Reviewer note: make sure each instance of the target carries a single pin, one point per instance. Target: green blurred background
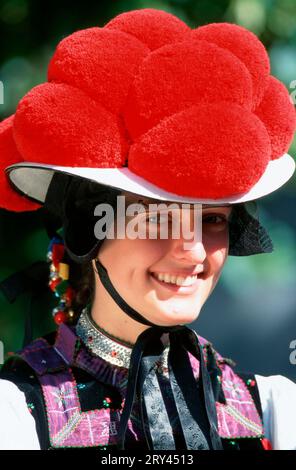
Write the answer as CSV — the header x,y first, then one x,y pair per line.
x,y
251,315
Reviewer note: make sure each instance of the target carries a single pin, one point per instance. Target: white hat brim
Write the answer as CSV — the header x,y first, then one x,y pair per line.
x,y
33,179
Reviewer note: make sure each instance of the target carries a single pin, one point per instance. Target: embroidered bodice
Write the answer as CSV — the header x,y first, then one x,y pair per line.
x,y
83,377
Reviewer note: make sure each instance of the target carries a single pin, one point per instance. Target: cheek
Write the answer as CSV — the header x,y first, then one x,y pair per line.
x,y
216,247
126,258
218,259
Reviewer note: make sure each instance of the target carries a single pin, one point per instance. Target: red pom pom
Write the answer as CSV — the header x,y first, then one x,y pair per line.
x,y
61,125
207,151
181,75
60,317
154,28
9,198
245,45
101,62
278,115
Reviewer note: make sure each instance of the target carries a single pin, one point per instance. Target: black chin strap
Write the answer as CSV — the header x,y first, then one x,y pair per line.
x,y
143,383
105,280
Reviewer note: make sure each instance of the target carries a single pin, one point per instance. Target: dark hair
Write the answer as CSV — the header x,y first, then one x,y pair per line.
x,y
82,280
69,206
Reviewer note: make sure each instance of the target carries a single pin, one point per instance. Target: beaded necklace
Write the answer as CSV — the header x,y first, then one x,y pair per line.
x,y
110,348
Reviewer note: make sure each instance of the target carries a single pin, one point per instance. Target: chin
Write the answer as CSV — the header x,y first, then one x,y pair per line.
x,y
176,316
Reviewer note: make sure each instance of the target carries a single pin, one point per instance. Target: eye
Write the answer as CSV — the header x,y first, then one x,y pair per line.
x,y
157,218
214,219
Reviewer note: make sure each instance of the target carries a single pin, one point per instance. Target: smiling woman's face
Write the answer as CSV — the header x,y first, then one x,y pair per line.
x,y
165,280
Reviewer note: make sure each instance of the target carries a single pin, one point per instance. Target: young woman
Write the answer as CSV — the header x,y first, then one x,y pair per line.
x,y
186,129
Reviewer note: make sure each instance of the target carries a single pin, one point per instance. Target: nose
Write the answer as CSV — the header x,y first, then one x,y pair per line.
x,y
189,247
193,252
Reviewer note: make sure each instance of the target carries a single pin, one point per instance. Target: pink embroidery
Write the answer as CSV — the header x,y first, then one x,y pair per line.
x,y
68,425
239,416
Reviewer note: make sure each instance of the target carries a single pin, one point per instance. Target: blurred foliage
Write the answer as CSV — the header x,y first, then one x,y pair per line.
x,y
23,241
29,33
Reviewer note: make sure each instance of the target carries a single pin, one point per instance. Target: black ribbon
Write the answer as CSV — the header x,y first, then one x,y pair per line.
x,y
142,381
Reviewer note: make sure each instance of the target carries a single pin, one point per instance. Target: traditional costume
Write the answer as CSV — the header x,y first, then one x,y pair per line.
x,y
149,106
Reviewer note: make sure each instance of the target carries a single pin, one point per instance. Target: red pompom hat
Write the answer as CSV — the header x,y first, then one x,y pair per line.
x,y
150,106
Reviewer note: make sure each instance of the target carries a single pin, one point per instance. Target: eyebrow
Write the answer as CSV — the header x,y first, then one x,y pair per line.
x,y
204,206
210,206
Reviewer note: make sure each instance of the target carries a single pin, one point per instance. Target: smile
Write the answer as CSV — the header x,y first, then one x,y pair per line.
x,y
176,280
177,283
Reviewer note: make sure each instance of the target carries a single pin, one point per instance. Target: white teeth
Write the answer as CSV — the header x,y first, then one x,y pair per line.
x,y
178,280
187,281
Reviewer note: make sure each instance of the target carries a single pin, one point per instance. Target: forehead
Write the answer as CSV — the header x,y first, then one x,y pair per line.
x,y
137,199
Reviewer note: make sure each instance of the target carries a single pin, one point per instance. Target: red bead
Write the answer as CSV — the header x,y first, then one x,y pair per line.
x,y
252,383
57,254
108,400
60,317
53,283
69,294
113,353
266,444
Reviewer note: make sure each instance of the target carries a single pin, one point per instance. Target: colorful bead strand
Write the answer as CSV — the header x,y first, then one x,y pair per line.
x,y
59,281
